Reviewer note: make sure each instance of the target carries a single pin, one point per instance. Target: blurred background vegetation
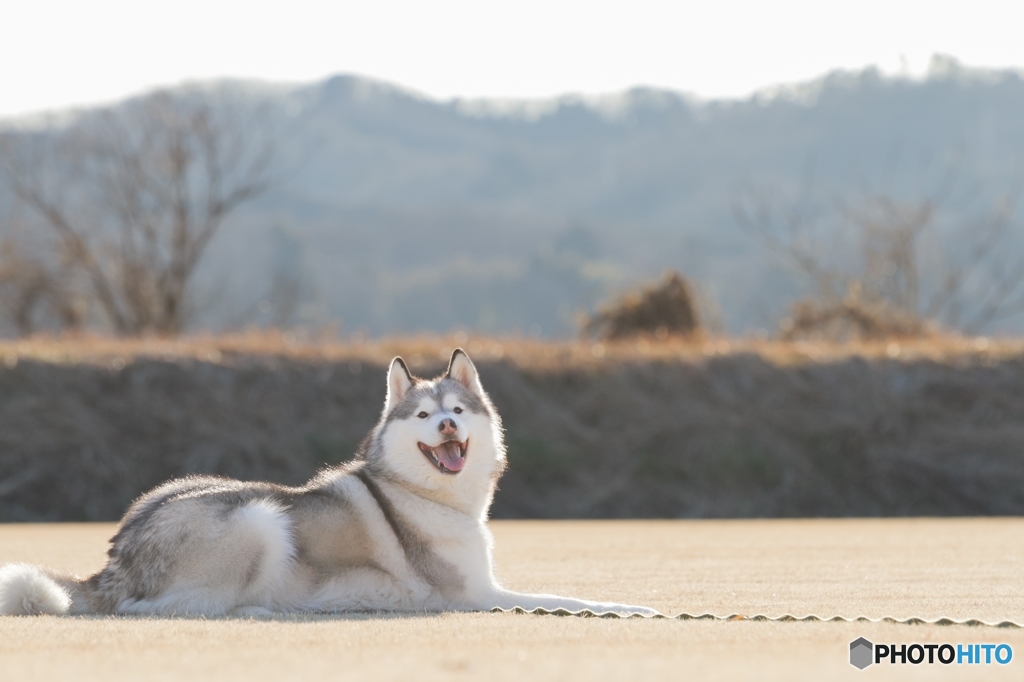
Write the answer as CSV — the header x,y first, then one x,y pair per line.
x,y
354,205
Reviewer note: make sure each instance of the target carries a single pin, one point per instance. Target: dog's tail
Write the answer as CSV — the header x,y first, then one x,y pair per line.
x,y
27,590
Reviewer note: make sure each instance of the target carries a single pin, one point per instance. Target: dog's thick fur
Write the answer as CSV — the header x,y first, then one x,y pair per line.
x,y
402,528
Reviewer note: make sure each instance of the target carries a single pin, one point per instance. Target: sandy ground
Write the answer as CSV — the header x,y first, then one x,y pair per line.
x,y
953,568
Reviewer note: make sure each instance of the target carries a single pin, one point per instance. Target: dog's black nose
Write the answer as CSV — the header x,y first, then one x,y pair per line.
x,y
447,426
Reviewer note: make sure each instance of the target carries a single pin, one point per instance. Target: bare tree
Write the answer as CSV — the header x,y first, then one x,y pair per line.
x,y
882,266
134,195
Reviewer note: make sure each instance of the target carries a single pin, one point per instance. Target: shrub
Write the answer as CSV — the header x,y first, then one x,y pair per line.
x,y
662,309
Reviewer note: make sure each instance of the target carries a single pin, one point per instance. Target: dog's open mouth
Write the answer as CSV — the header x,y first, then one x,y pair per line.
x,y
449,457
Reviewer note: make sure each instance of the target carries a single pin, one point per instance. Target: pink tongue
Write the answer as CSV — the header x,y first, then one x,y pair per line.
x,y
450,455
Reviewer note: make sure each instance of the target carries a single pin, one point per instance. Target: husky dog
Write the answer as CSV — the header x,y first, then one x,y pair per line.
x,y
401,528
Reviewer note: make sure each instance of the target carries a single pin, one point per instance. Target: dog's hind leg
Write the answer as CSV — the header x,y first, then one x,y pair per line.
x,y
233,556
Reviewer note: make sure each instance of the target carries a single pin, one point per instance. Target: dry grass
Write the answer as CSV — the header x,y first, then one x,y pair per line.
x,y
646,427
432,350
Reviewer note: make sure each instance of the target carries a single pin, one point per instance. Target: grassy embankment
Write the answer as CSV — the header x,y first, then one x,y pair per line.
x,y
716,428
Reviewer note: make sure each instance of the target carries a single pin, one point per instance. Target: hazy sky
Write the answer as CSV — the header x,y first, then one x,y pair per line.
x,y
59,52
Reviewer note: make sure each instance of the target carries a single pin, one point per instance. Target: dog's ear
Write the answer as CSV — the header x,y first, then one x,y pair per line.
x,y
462,369
399,383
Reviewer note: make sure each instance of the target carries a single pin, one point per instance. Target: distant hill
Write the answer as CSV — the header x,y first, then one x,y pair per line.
x,y
403,213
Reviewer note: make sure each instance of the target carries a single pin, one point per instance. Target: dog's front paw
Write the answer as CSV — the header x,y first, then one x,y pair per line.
x,y
625,610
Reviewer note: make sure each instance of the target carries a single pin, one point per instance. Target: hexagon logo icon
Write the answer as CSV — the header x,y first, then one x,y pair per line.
x,y
861,653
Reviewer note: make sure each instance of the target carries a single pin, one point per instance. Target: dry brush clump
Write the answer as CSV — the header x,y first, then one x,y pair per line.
x,y
663,309
641,428
853,317
879,266
29,284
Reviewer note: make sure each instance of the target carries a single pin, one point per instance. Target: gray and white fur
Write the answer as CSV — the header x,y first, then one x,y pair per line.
x,y
401,528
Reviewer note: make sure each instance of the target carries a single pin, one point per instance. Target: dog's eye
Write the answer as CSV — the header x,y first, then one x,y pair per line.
x,y
423,415
457,410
